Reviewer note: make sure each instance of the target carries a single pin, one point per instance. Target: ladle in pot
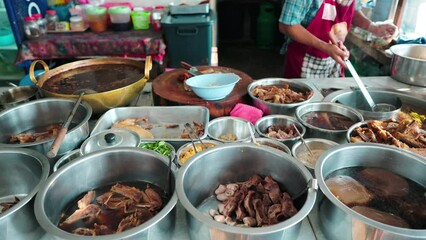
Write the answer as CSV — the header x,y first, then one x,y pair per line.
x,y
54,148
379,107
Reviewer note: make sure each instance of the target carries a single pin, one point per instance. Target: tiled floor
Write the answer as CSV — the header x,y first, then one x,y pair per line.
x,y
246,57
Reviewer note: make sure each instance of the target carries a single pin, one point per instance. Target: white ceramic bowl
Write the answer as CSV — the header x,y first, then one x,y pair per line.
x,y
213,86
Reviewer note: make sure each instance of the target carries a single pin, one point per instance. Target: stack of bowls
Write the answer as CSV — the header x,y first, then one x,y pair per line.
x,y
284,121
338,136
278,108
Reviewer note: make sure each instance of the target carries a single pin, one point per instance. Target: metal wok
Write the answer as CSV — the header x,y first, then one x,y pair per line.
x,y
102,100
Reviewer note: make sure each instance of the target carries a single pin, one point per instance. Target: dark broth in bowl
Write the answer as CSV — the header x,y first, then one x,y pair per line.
x,y
392,199
113,208
328,120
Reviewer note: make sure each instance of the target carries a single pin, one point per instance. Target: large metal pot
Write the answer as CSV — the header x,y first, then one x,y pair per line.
x,y
409,64
101,101
337,221
41,113
22,172
236,162
99,169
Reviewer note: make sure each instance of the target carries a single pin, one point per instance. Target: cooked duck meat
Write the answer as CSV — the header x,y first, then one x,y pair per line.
x,y
404,134
120,207
128,222
256,202
382,217
284,94
130,192
287,206
384,183
48,132
86,200
7,205
90,211
348,190
198,128
273,189
281,132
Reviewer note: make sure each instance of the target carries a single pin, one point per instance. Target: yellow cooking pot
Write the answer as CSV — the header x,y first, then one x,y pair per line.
x,y
100,101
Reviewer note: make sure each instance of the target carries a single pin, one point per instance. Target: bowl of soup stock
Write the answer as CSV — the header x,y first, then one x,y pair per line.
x,y
327,120
371,190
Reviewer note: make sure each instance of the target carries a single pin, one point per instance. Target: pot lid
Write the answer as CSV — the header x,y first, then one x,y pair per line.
x,y
96,10
115,137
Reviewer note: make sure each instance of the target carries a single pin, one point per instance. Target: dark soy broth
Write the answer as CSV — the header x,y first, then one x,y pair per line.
x,y
328,120
101,78
410,207
110,218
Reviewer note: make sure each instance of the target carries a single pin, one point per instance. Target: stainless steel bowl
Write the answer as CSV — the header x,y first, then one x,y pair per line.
x,y
264,123
40,113
100,169
222,126
355,99
22,173
338,136
74,154
276,108
337,221
409,64
236,162
313,144
184,148
18,95
273,144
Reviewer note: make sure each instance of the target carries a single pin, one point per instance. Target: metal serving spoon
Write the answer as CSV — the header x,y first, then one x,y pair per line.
x,y
379,107
192,131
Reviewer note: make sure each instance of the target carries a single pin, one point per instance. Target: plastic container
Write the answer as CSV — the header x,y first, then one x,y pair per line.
x,y
77,23
31,28
193,30
141,19
266,26
157,15
42,23
120,18
97,18
51,19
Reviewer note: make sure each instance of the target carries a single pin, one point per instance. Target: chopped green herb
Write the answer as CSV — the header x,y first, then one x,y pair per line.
x,y
160,147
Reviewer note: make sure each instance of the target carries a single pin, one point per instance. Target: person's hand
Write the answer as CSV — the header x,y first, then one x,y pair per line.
x,y
338,52
383,29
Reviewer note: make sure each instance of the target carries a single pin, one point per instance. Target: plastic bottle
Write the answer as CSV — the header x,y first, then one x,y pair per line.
x,y
157,14
51,19
42,23
266,26
31,28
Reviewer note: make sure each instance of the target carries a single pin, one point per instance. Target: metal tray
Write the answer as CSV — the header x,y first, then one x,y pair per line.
x,y
159,118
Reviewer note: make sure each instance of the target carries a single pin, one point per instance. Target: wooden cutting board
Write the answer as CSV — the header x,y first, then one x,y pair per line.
x,y
168,90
